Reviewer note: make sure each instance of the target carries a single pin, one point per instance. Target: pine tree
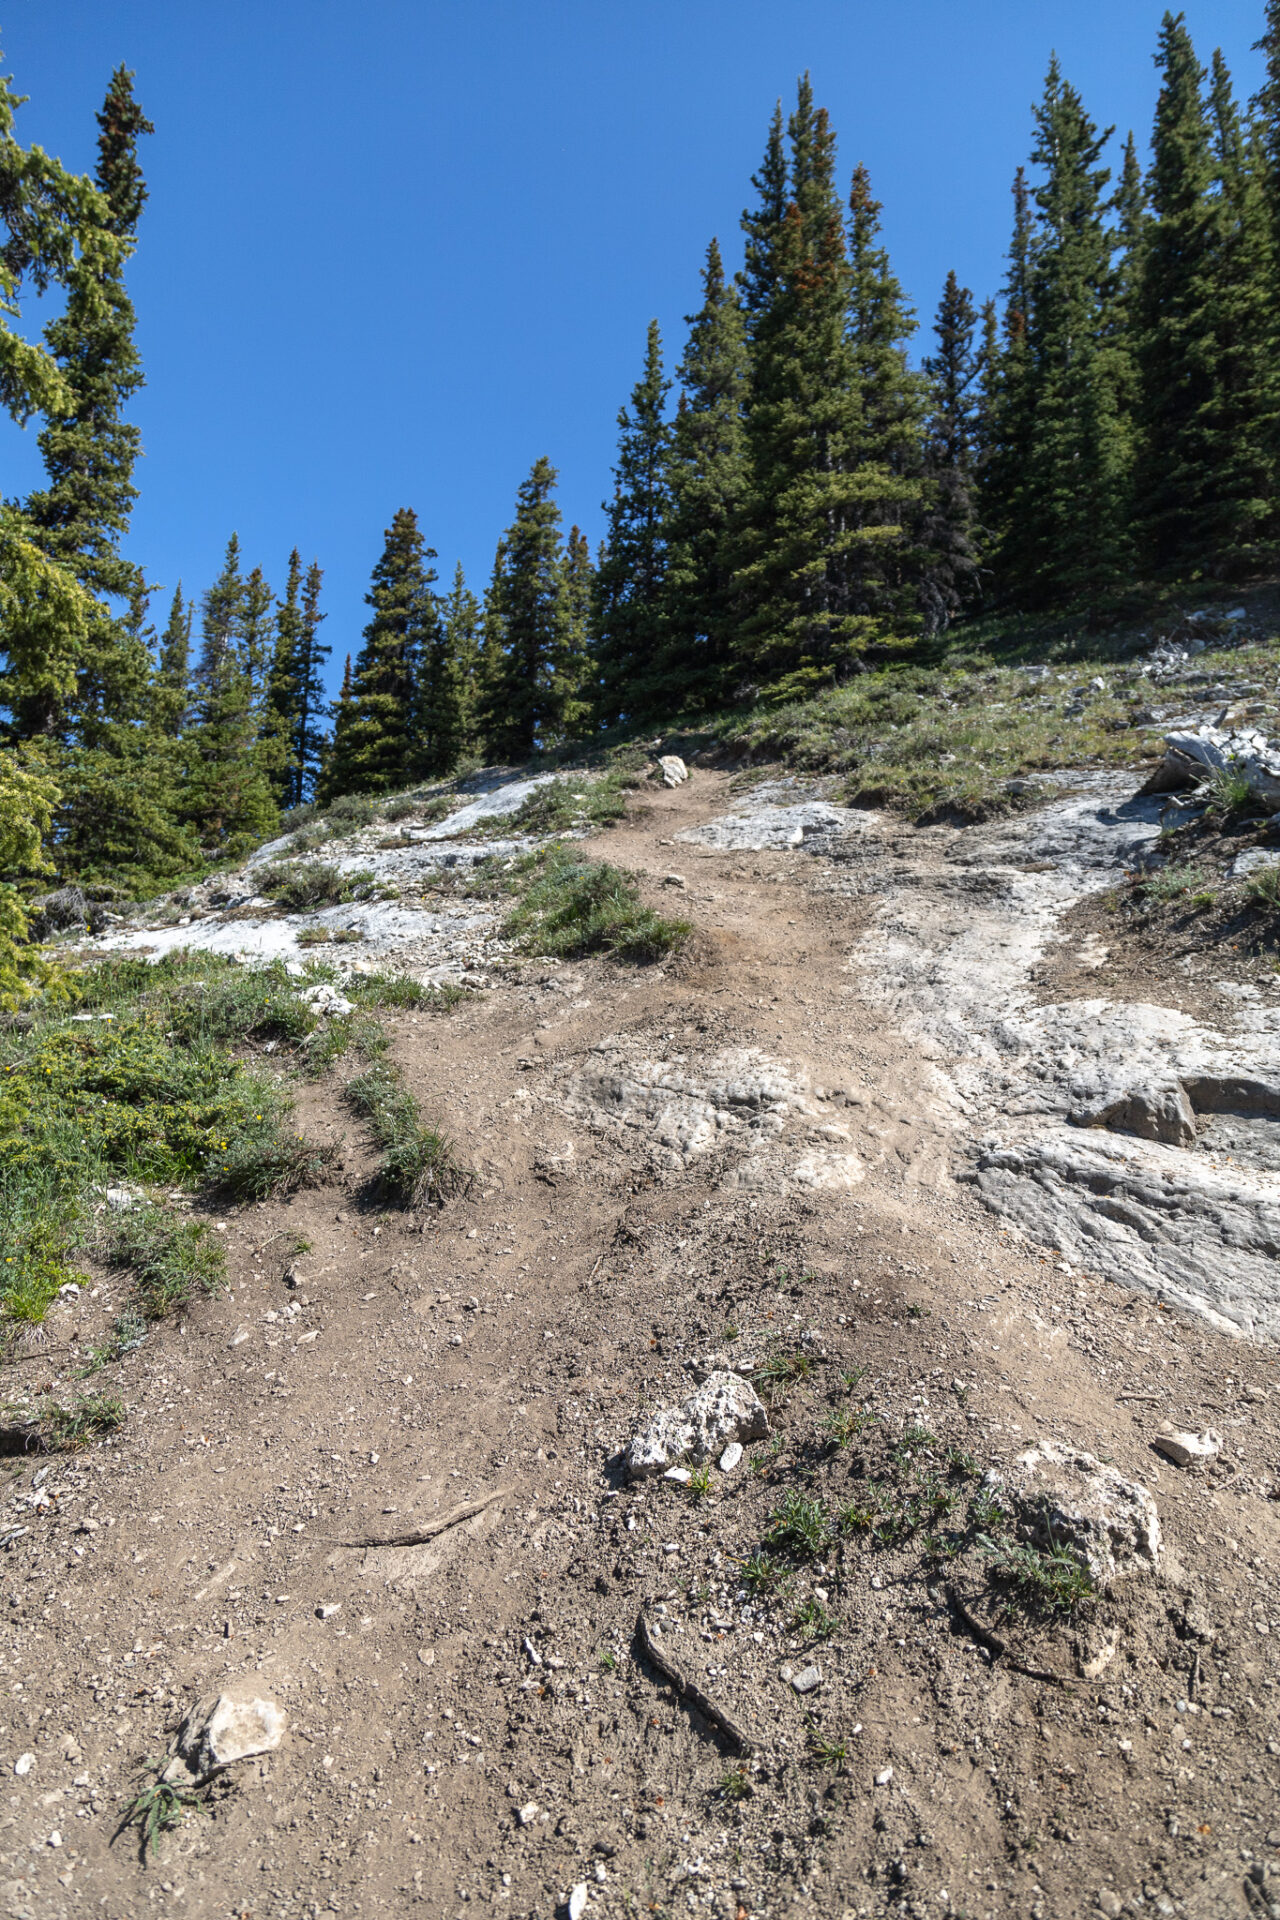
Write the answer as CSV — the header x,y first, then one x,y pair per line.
x,y
949,529
310,707
574,679
280,711
257,629
169,681
375,751
527,641
89,449
708,480
1079,455
460,611
1176,493
762,224
227,795
631,579
331,779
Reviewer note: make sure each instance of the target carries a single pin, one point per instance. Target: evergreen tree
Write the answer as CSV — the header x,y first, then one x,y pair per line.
x,y
575,677
308,739
168,710
1245,415
461,613
949,530
762,224
708,481
257,629
374,749
1008,406
631,579
795,529
280,715
1176,496
227,795
528,643
89,449
1079,455
438,719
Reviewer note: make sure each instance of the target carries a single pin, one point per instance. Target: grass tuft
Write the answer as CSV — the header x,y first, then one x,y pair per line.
x,y
576,907
171,1260
418,1164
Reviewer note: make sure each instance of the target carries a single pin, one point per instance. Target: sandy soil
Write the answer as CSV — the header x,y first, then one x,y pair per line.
x,y
476,1725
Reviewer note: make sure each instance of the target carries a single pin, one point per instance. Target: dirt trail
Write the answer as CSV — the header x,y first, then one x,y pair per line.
x,y
751,1149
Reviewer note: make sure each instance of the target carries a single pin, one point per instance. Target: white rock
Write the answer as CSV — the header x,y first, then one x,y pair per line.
x,y
327,1610
673,770
526,1815
1188,1449
576,1904
731,1456
119,1199
325,999
1067,1498
681,1475
222,1728
884,1777
725,1407
23,1764
807,1680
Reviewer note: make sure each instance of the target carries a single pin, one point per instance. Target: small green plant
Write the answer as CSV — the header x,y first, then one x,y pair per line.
x,y
58,1429
736,1785
801,1524
570,803
700,1482
963,1464
303,886
608,1660
1051,1579
846,1424
988,1512
761,1573
780,1372
1229,792
813,1620
827,1753
852,1378
1263,890
156,1809
730,1333
765,1458
403,992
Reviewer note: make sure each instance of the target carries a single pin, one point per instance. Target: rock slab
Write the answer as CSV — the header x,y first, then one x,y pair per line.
x,y
222,1728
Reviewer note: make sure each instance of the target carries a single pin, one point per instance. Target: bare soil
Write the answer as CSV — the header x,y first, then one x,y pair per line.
x,y
954,1758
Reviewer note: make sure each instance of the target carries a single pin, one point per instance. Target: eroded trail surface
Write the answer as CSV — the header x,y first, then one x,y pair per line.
x,y
851,1147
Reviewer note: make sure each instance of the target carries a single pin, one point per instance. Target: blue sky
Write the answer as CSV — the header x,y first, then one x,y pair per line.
x,y
395,252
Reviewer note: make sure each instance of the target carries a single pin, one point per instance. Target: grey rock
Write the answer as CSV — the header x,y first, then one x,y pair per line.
x,y
725,1407
221,1729
1188,1449
1253,860
65,911
1152,1112
807,1680
1064,1497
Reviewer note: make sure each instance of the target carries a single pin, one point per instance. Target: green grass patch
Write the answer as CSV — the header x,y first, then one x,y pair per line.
x,y
304,886
53,1428
1046,1579
574,907
138,1087
802,1524
418,1165
1262,890
571,803
171,1260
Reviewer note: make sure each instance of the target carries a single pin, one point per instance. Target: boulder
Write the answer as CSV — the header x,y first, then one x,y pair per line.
x,y
672,769
725,1408
221,1729
1063,1497
1153,1112
1198,754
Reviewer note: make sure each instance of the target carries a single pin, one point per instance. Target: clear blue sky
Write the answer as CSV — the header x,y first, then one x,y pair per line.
x,y
396,251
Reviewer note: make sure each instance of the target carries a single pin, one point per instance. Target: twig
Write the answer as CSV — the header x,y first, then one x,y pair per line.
x,y
465,1511
1139,1396
1195,1677
999,1649
654,1651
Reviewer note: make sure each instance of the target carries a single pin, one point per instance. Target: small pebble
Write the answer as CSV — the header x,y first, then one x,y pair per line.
x,y
731,1456
681,1475
328,1609
23,1764
526,1815
883,1778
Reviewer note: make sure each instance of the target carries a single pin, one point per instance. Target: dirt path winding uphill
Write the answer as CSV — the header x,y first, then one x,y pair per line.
x,y
840,1147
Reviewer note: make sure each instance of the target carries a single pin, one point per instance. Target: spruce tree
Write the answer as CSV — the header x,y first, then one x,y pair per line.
x,y
461,614
630,583
708,480
438,715
1076,486
279,718
227,796
527,640
1245,414
1176,492
1008,408
89,448
762,224
575,676
169,681
375,751
949,531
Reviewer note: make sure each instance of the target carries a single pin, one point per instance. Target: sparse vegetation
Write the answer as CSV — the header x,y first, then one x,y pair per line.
x,y
156,1809
573,907
304,886
418,1164
171,1260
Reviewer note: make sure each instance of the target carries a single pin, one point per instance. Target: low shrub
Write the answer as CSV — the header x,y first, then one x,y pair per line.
x,y
576,907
